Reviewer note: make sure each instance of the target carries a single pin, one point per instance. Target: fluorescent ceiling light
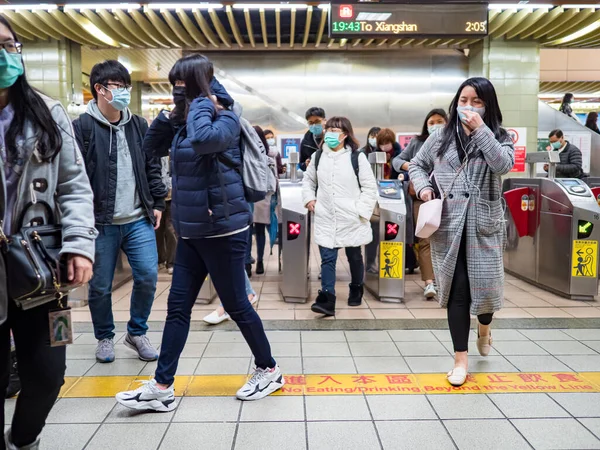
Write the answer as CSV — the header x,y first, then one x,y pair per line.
x,y
110,6
578,34
98,33
184,6
270,6
39,6
520,6
324,6
373,16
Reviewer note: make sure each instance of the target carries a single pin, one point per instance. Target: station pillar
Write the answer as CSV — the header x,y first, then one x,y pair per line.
x,y
54,67
136,98
514,69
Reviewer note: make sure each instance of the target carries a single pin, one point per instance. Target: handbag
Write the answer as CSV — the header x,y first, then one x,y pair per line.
x,y
430,213
36,273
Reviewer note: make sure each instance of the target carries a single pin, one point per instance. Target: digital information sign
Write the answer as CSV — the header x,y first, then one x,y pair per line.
x,y
389,20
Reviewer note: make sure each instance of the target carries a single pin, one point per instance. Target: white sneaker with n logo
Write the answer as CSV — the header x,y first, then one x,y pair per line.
x,y
262,383
148,397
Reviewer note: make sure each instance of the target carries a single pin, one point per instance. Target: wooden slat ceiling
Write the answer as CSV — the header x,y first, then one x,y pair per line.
x,y
578,88
301,27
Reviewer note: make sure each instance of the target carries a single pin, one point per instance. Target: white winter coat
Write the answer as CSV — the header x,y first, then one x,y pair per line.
x,y
343,209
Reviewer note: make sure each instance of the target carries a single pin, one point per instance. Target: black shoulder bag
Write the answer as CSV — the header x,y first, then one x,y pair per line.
x,y
36,274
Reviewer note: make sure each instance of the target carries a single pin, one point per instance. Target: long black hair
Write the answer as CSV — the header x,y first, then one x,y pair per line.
x,y
195,71
261,135
592,121
30,107
344,124
566,101
492,117
425,130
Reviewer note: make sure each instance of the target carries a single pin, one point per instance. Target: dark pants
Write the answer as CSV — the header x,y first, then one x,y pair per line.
x,y
261,240
41,369
223,259
328,263
459,303
248,259
166,240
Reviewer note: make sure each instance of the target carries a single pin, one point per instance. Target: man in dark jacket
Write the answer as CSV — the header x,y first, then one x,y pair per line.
x,y
314,136
128,203
571,161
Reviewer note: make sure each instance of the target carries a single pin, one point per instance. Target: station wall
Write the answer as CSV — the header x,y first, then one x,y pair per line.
x,y
393,89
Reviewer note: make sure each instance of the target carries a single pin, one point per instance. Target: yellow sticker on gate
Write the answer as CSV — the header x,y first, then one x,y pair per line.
x,y
391,258
585,259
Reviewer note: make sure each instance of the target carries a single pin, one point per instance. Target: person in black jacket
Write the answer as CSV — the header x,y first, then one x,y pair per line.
x,y
313,138
591,122
571,161
386,142
128,203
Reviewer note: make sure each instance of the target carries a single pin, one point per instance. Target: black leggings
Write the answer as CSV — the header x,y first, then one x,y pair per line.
x,y
41,370
459,303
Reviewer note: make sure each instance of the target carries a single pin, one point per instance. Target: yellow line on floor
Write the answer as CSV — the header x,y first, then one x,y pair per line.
x,y
336,384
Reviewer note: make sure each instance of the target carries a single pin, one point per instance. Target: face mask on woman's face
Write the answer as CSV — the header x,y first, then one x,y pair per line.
x,y
373,142
463,117
271,142
332,139
11,68
437,126
178,94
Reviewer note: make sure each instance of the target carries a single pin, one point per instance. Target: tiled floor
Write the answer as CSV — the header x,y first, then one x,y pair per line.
x,y
463,421
521,300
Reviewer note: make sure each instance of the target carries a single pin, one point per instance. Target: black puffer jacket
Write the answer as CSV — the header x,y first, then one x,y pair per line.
x,y
101,166
310,144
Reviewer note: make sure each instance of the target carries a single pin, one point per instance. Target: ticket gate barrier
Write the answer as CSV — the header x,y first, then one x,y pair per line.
x,y
594,184
384,256
553,229
296,236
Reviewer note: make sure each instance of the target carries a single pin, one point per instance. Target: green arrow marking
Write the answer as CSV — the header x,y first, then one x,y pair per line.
x,y
583,228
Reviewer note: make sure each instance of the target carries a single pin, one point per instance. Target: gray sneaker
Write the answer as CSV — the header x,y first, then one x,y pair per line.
x,y
143,347
105,352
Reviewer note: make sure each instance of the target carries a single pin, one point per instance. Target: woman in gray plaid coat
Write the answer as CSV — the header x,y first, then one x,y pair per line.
x,y
467,159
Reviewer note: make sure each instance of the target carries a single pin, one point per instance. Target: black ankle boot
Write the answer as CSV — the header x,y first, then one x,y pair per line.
x,y
260,268
249,270
356,294
325,304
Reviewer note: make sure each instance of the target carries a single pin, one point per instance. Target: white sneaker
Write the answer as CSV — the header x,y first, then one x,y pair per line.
x,y
148,397
430,291
262,383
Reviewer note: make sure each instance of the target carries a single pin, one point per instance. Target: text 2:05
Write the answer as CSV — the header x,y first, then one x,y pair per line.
x,y
476,27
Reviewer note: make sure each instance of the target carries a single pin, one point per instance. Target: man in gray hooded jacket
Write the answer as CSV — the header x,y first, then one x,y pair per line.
x,y
128,203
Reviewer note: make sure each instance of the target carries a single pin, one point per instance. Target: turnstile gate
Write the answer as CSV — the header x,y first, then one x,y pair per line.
x,y
296,235
553,229
384,256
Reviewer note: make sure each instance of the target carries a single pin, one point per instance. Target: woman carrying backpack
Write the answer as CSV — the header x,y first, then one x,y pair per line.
x,y
341,191
211,217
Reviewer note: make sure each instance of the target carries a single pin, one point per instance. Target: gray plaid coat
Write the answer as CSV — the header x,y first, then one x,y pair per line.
x,y
473,204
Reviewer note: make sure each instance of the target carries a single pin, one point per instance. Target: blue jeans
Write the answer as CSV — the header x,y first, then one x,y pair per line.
x,y
328,262
223,259
138,242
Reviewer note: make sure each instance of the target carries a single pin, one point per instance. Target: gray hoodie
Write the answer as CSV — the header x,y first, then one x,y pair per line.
x,y
128,207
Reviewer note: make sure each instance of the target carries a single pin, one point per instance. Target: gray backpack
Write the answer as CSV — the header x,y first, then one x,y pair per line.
x,y
255,164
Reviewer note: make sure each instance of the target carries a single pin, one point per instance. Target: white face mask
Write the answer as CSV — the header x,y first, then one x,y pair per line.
x,y
373,142
271,142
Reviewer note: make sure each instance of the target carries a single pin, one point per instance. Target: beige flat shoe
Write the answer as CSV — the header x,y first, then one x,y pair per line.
x,y
457,376
484,344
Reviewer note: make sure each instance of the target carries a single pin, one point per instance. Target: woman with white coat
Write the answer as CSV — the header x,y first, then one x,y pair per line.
x,y
339,187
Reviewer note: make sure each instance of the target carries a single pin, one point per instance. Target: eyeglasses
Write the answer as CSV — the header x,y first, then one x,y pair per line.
x,y
12,47
128,87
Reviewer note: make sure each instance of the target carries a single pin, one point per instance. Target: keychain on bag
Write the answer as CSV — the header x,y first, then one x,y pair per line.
x,y
61,326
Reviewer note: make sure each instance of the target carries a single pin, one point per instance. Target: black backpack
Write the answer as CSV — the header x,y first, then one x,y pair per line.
x,y
353,157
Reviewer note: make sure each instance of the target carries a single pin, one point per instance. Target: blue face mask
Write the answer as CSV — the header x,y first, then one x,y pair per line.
x,y
373,142
121,98
11,68
556,145
437,126
332,139
463,117
316,129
